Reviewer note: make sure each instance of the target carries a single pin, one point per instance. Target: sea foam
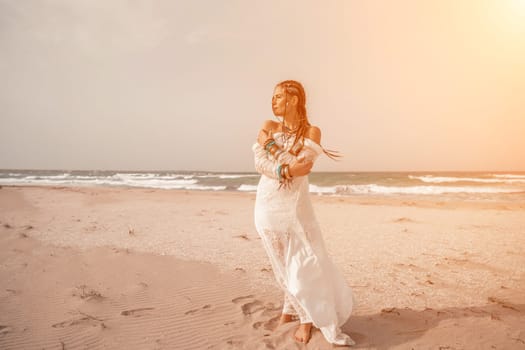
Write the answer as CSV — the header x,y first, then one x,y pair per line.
x,y
446,179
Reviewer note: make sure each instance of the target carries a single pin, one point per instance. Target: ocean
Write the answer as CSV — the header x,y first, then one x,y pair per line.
x,y
473,185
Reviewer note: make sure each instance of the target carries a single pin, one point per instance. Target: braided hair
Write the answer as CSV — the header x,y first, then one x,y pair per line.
x,y
295,88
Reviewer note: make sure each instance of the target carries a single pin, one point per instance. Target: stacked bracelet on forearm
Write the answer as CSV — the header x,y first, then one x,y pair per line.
x,y
283,173
272,148
269,144
283,170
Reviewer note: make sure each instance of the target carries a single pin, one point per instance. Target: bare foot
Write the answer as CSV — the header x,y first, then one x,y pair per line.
x,y
285,318
303,333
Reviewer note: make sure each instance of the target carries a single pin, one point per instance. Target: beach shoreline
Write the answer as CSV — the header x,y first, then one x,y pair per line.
x,y
426,271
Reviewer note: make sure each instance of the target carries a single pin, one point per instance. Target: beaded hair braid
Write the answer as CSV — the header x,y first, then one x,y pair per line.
x,y
294,88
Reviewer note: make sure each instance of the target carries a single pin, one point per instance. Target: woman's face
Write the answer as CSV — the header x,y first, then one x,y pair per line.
x,y
278,101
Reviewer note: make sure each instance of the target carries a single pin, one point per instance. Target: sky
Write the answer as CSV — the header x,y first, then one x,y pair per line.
x,y
403,85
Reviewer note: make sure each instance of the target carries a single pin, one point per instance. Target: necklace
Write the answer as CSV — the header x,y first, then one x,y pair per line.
x,y
288,132
290,129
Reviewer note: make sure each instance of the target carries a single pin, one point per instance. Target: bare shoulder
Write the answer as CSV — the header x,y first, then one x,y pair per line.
x,y
270,125
313,133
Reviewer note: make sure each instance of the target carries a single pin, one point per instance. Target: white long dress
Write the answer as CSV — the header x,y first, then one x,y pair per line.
x,y
314,288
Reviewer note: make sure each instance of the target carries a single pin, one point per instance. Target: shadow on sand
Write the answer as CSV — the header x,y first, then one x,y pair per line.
x,y
395,326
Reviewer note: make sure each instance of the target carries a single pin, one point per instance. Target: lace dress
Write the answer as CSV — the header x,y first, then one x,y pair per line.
x,y
314,288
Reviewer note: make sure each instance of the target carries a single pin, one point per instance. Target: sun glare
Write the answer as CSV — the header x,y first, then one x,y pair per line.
x,y
511,15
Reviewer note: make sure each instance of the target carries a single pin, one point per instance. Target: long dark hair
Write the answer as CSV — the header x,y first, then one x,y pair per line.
x,y
295,88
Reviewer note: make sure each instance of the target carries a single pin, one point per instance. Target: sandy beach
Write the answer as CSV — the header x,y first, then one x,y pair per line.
x,y
123,268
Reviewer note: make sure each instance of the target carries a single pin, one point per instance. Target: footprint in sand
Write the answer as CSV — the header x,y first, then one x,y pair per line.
x,y
234,342
239,299
136,312
81,320
4,329
270,309
191,312
243,236
411,266
272,323
252,307
403,220
269,344
61,324
84,292
391,310
249,307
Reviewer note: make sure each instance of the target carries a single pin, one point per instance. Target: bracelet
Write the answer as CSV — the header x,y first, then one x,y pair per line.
x,y
268,144
285,180
273,148
287,172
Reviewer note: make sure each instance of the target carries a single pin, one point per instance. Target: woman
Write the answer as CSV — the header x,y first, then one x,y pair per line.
x,y
314,289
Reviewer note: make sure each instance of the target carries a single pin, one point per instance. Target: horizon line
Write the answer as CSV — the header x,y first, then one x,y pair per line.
x,y
252,172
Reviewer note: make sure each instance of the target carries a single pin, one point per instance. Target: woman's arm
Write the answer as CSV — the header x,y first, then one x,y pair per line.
x,y
270,168
273,151
263,165
268,163
311,151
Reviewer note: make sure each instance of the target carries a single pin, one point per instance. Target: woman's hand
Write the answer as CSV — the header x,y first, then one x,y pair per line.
x,y
300,167
263,137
